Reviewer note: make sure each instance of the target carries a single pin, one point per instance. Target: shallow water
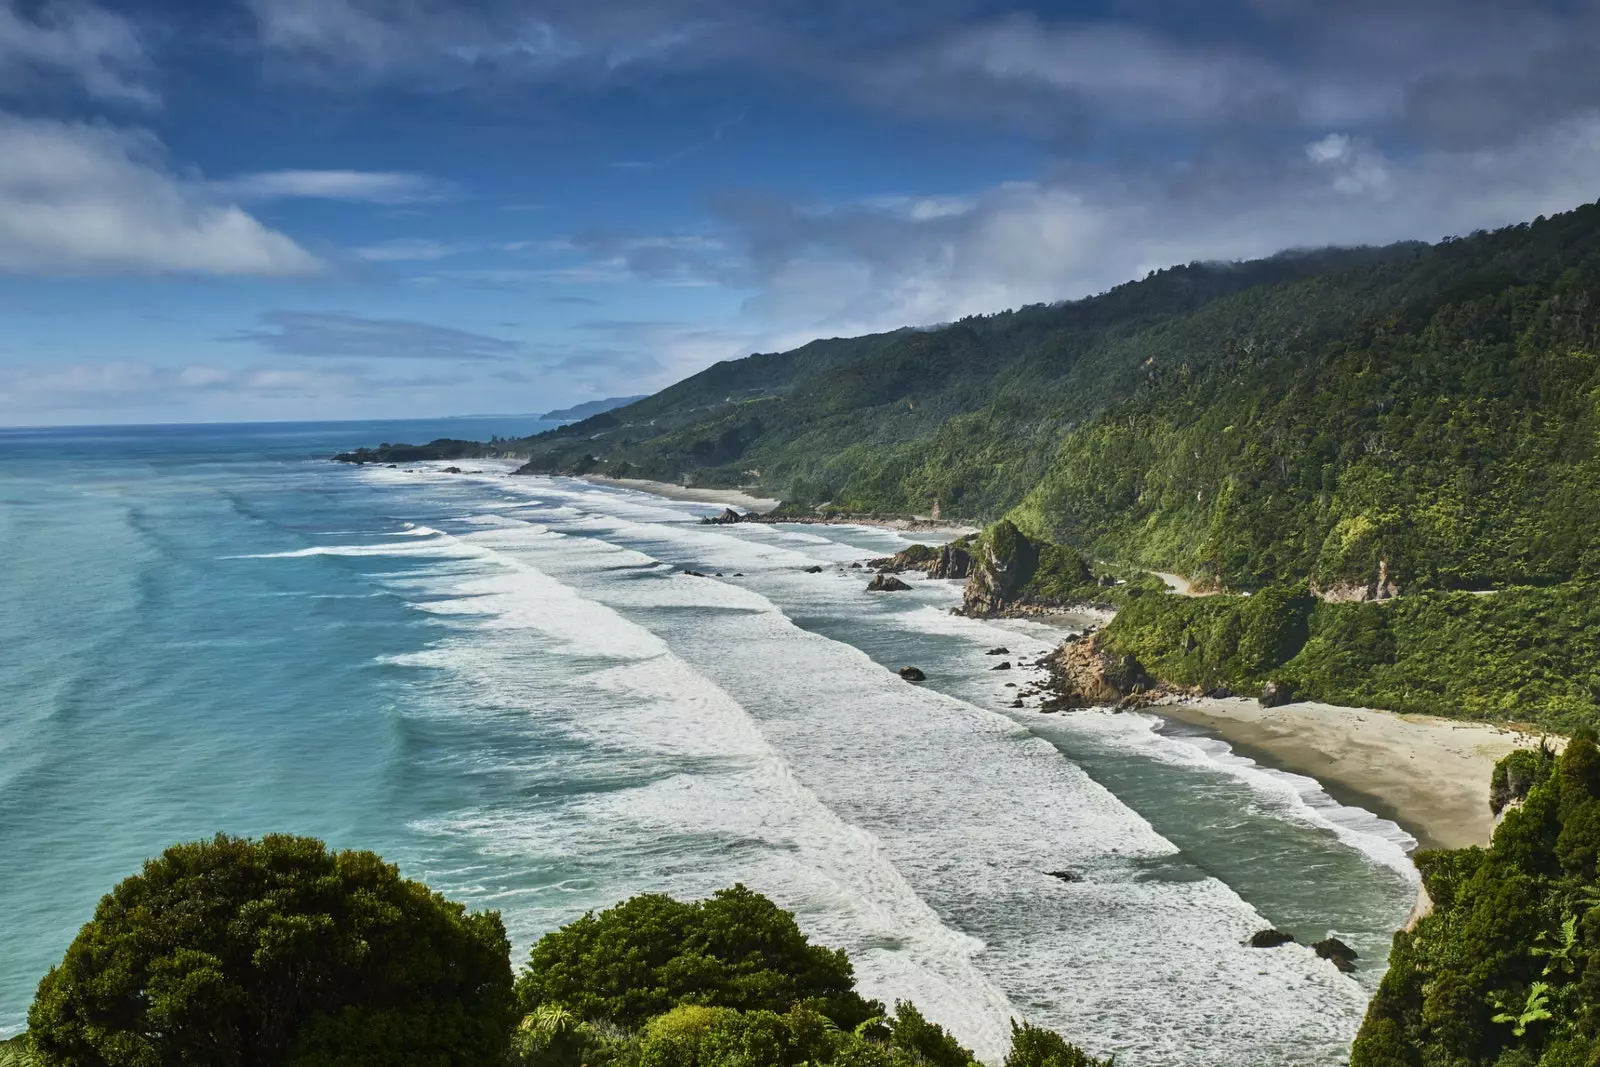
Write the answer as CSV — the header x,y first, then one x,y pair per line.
x,y
505,685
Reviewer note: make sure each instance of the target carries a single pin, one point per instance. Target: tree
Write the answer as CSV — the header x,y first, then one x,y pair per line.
x,y
277,951
1034,1047
651,953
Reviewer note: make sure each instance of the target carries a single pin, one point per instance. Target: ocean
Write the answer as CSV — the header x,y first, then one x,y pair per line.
x,y
507,686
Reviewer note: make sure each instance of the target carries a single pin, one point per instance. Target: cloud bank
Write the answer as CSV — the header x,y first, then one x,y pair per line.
x,y
88,198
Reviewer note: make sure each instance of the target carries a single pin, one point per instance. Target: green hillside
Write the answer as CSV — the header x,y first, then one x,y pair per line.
x,y
1407,425
1306,417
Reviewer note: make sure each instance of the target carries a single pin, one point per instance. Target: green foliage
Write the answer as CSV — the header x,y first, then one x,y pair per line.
x,y
1234,640
909,1031
1506,970
1033,1047
1517,773
275,952
1529,655
278,952
650,954
15,1052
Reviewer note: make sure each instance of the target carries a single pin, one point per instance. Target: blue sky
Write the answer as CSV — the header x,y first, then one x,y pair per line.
x,y
262,209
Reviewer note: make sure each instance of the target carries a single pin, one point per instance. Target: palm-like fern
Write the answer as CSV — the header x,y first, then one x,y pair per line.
x,y
1533,1010
1562,958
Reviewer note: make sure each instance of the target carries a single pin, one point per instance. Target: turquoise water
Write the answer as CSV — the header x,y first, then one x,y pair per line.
x,y
506,686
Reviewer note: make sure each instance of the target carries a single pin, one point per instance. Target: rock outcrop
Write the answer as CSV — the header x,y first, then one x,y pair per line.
x,y
1004,563
912,674
953,562
1340,954
1083,675
1276,694
1380,587
1269,939
727,518
886,583
950,561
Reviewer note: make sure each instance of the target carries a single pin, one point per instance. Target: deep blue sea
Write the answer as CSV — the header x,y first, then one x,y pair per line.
x,y
507,686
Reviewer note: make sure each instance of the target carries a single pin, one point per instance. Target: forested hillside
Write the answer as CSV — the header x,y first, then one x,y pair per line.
x,y
1310,417
1506,970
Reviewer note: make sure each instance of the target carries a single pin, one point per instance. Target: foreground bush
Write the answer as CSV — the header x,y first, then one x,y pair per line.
x,y
276,952
652,953
725,982
236,953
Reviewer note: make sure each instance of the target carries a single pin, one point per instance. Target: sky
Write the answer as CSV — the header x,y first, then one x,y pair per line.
x,y
217,210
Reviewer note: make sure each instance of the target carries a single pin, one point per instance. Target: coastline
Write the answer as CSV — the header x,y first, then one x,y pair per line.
x,y
729,497
1429,775
761,505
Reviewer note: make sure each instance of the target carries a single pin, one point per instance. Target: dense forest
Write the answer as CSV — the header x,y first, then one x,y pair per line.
x,y
278,952
1505,972
1429,408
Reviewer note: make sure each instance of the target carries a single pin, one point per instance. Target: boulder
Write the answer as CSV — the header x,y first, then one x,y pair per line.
x,y
1001,651
915,558
1002,666
1065,876
1269,939
1340,954
694,574
813,570
912,674
452,470
886,583
953,562
855,566
1082,675
1276,694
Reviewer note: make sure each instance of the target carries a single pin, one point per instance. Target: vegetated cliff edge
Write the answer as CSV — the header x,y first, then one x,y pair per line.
x,y
1386,428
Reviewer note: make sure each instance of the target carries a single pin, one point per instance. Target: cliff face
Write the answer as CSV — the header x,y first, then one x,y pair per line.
x,y
1004,563
1012,574
1085,675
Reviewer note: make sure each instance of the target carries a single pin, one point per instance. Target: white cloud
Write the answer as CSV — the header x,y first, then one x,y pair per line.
x,y
142,392
358,186
409,250
97,48
857,267
342,335
79,198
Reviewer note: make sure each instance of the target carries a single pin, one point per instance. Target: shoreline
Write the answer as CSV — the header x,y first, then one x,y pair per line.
x,y
761,505
1428,775
728,497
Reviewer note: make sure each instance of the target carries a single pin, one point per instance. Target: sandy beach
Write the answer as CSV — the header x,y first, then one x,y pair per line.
x,y
739,499
1429,775
729,497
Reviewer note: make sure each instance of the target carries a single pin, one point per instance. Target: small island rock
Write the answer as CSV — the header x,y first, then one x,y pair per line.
x,y
886,583
1337,952
1269,939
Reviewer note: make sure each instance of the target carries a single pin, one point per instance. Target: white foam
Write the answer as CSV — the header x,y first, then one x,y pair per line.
x,y
653,707
971,809
705,738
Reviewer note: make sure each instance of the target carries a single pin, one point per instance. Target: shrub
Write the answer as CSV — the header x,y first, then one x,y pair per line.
x,y
650,954
276,952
